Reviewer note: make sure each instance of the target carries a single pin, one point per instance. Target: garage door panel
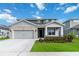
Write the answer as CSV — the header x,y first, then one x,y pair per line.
x,y
23,34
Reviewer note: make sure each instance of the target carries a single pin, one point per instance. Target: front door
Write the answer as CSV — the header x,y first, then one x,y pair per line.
x,y
41,32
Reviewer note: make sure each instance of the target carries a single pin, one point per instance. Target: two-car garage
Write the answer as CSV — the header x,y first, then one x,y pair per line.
x,y
23,34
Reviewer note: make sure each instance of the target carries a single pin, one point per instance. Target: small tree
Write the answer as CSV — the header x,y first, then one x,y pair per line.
x,y
72,34
69,37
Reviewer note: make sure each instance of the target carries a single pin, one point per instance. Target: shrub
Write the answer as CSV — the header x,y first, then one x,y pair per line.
x,y
66,38
41,40
4,38
72,34
69,37
54,39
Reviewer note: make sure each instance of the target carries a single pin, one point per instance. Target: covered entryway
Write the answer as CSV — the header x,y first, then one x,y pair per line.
x,y
41,32
23,34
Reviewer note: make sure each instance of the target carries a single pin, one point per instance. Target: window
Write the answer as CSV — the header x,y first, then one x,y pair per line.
x,y
51,31
0,32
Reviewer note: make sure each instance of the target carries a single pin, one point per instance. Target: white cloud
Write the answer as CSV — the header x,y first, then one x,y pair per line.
x,y
58,8
7,10
62,4
78,5
9,18
40,6
71,9
32,5
37,17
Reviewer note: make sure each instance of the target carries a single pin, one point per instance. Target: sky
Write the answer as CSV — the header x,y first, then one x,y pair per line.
x,y
10,12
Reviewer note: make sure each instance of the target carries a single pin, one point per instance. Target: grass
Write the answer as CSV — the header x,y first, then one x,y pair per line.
x,y
56,47
4,38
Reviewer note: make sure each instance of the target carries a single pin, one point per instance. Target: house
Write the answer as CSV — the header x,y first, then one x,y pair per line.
x,y
71,26
35,28
4,31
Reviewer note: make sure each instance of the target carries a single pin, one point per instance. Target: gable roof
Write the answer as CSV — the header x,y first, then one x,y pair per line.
x,y
42,21
76,26
35,23
4,27
70,20
37,19
23,21
54,22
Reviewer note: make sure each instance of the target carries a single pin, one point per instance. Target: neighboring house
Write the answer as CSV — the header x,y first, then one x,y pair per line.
x,y
71,26
4,31
33,29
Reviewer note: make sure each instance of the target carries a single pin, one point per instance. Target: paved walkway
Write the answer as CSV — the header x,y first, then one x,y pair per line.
x,y
49,54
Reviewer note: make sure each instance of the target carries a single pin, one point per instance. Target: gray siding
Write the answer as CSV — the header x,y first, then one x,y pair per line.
x,y
70,24
73,23
67,25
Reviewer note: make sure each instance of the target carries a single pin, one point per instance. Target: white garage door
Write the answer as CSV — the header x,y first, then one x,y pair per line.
x,y
23,34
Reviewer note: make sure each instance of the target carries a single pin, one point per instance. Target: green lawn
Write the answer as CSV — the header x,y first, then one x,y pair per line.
x,y
4,38
56,47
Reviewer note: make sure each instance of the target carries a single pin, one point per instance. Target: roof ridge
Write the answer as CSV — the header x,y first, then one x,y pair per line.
x,y
36,19
70,20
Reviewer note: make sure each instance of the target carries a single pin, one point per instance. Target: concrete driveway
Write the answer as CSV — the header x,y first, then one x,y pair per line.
x,y
14,47
22,47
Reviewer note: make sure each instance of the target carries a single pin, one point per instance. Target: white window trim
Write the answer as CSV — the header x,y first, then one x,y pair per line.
x,y
51,32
